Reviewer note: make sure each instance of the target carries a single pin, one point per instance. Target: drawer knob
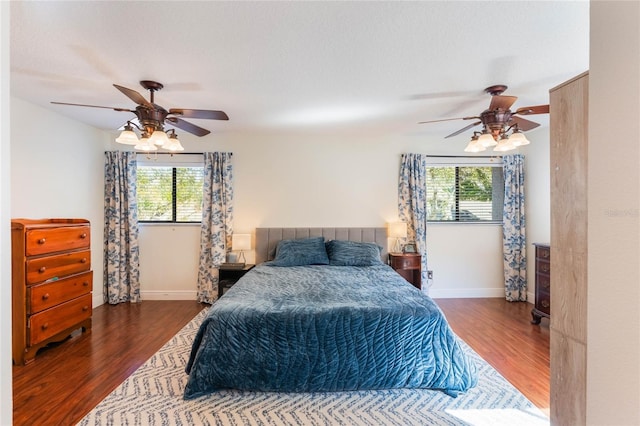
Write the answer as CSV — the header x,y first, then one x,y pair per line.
x,y
42,240
84,235
45,326
84,260
85,308
42,269
45,296
545,303
86,284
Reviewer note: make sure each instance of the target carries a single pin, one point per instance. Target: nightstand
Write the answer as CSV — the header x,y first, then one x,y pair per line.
x,y
228,276
408,265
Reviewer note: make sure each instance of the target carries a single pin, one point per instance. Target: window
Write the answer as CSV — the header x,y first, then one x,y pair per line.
x,y
170,194
469,193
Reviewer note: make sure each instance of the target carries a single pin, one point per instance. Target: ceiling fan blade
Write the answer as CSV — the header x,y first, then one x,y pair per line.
x,y
502,102
523,124
187,127
93,106
538,109
134,96
464,129
447,119
199,113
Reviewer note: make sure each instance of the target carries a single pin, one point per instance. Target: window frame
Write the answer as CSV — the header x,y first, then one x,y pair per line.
x,y
184,161
457,162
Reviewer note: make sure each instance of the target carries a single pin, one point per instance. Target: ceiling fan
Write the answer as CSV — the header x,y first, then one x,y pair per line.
x,y
497,121
151,118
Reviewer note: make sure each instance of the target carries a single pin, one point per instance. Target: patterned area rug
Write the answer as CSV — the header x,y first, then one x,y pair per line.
x,y
152,395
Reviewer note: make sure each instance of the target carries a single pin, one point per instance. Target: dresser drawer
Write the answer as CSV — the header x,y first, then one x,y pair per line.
x,y
543,302
405,262
543,281
44,296
61,265
543,252
55,320
43,241
543,267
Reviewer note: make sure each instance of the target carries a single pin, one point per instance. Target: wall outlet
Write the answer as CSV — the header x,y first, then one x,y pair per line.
x,y
429,275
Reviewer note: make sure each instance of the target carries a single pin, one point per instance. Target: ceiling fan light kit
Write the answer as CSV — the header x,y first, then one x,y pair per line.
x,y
497,121
152,118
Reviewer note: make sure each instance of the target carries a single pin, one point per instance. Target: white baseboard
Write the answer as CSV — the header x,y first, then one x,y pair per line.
x,y
168,295
460,293
463,293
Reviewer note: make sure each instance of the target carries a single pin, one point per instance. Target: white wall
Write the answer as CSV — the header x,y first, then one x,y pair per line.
x,y
57,169
6,400
537,202
319,179
613,323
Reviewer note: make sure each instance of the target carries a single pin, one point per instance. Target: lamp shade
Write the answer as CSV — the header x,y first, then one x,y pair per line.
x,y
518,139
486,139
397,230
475,146
241,241
159,138
128,137
504,145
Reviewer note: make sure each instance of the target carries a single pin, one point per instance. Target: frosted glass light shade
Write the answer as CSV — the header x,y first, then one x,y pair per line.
x,y
475,146
504,145
159,138
173,144
518,139
145,145
241,241
127,137
486,140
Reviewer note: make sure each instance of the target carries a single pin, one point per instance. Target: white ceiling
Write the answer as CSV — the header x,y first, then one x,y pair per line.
x,y
359,67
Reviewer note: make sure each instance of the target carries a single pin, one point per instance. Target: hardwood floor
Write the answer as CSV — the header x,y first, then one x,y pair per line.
x,y
501,332
66,381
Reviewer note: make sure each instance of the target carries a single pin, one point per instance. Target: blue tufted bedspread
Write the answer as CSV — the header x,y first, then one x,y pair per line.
x,y
326,328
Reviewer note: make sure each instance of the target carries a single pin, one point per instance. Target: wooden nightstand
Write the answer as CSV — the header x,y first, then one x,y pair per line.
x,y
229,276
408,265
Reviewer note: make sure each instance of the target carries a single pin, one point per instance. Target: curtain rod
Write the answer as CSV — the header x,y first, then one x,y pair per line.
x,y
162,153
464,156
168,153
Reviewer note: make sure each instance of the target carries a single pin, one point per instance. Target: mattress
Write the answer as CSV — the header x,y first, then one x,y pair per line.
x,y
326,328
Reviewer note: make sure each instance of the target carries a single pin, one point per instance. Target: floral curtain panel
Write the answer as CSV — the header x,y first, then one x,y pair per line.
x,y
121,251
412,203
217,219
514,247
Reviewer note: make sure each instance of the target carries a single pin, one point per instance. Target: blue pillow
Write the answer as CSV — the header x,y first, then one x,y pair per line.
x,y
352,253
307,251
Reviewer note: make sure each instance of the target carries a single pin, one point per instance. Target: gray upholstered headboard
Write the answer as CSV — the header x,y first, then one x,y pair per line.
x,y
267,238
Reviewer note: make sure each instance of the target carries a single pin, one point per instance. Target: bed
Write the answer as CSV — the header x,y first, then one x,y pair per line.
x,y
301,321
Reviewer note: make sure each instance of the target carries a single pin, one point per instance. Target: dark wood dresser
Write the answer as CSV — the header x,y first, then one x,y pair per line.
x,y
542,306
51,281
408,265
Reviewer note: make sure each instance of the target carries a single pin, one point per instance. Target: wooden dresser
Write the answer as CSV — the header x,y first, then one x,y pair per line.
x,y
408,265
542,306
51,282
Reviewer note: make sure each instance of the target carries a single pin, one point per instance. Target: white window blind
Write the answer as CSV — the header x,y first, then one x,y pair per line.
x,y
465,192
169,194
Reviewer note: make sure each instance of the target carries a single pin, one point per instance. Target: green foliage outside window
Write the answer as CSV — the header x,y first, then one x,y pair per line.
x,y
170,194
464,193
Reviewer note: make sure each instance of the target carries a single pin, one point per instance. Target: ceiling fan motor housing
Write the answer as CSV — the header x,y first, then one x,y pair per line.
x,y
151,119
495,121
